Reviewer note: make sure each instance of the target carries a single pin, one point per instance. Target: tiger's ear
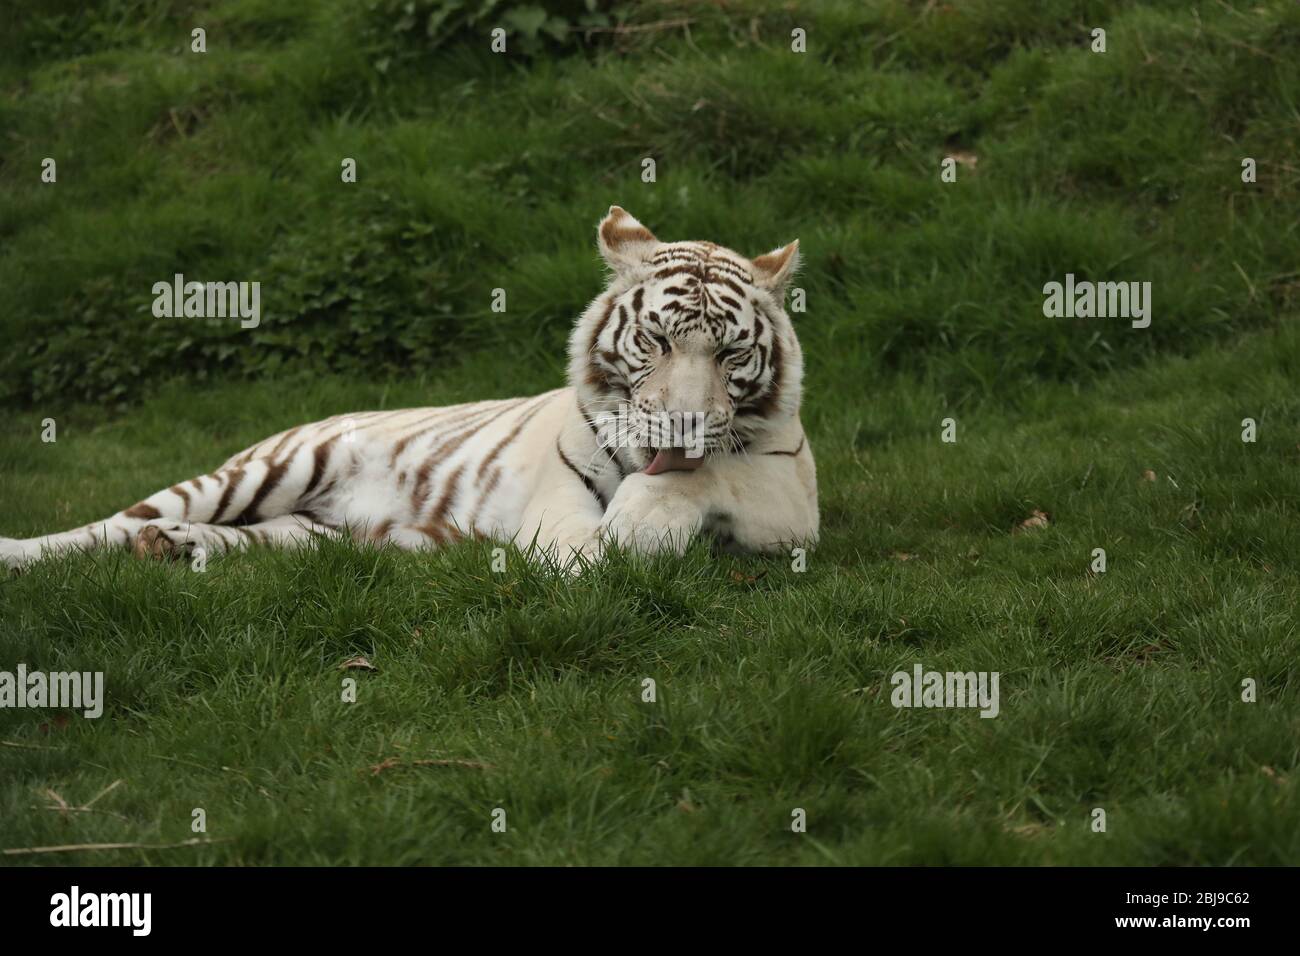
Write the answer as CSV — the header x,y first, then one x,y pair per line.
x,y
624,242
774,270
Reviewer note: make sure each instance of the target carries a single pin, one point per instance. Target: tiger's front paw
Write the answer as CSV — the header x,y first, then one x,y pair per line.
x,y
162,542
649,515
574,555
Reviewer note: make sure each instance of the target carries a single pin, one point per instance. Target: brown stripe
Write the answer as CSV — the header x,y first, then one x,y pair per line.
x,y
232,483
418,428
184,495
472,415
595,377
483,497
145,511
418,493
444,420
274,474
438,519
280,444
496,451
600,326
514,432
441,533
446,449
321,456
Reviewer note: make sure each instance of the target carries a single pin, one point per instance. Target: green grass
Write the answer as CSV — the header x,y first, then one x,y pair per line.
x,y
1120,690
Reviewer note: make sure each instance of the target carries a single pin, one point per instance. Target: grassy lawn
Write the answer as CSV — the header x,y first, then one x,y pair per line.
x,y
1120,690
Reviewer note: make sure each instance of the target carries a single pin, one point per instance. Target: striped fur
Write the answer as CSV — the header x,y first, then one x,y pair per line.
x,y
681,327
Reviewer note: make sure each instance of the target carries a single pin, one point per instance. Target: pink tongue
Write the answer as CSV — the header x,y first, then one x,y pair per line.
x,y
673,459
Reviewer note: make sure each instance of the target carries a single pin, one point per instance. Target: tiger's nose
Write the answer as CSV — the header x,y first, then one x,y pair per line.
x,y
672,425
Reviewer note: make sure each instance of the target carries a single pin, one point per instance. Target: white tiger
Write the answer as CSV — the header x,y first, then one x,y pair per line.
x,y
684,332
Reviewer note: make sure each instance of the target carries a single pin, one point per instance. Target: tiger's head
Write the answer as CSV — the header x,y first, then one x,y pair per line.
x,y
686,333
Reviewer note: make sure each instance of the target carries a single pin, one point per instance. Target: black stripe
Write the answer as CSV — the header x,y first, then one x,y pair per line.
x,y
591,485
791,453
622,320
